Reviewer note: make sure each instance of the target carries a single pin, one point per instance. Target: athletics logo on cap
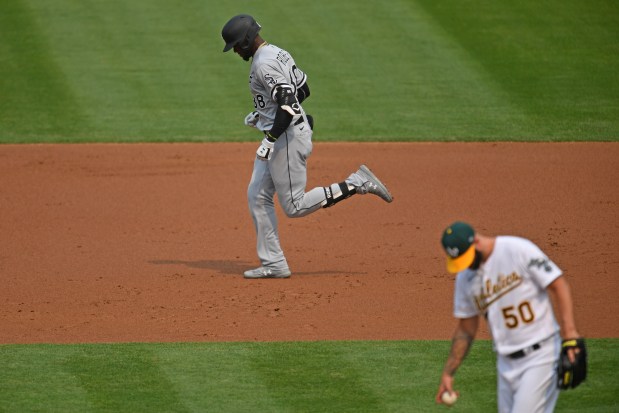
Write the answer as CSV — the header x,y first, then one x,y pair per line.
x,y
458,242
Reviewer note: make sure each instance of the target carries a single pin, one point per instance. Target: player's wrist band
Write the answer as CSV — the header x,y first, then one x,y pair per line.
x,y
269,136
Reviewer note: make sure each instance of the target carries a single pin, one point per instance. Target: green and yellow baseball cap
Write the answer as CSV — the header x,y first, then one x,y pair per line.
x,y
458,241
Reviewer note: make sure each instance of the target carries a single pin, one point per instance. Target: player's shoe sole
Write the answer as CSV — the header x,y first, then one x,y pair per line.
x,y
373,185
263,272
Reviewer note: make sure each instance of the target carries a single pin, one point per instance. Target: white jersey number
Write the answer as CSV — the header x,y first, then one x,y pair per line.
x,y
259,102
514,315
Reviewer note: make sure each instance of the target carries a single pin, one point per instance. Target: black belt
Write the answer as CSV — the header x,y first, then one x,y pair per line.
x,y
520,354
299,121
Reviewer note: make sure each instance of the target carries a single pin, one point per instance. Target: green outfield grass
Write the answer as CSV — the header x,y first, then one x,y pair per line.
x,y
374,376
153,70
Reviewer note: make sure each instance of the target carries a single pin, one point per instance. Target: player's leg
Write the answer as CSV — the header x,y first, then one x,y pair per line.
x,y
361,182
365,182
537,392
288,167
505,386
289,171
260,193
537,383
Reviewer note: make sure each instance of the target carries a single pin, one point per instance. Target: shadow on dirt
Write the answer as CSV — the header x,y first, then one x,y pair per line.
x,y
221,266
238,267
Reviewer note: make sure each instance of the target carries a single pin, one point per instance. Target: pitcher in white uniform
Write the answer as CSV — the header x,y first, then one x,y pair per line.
x,y
507,279
278,87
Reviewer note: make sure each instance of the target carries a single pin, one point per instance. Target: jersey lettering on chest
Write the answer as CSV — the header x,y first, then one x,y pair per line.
x,y
270,80
283,57
493,289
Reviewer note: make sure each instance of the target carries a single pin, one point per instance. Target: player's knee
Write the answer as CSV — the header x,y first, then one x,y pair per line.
x,y
291,210
252,198
259,201
296,208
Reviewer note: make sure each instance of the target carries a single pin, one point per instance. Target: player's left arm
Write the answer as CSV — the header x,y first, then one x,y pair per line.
x,y
303,92
547,274
572,363
561,294
288,108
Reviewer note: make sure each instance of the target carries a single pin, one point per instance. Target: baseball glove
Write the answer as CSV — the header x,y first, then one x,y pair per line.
x,y
570,375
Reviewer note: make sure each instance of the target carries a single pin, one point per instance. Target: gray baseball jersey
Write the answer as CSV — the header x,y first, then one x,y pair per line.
x,y
286,172
271,67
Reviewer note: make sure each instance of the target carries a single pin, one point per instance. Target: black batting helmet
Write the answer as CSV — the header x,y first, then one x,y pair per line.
x,y
240,31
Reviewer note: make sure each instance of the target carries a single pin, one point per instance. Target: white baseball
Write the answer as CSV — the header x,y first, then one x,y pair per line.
x,y
449,398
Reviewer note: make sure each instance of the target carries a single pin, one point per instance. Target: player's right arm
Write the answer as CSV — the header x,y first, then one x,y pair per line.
x,y
288,108
460,345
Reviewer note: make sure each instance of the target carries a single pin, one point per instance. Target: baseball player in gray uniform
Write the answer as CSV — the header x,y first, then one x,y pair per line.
x,y
507,280
278,87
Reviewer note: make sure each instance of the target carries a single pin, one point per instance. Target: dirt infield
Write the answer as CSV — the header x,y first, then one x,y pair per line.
x,y
147,242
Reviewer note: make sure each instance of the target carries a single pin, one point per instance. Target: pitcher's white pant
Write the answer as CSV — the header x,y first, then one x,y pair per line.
x,y
529,384
285,174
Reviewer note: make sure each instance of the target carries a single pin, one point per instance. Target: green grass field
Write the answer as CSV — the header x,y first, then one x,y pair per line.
x,y
394,376
153,70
